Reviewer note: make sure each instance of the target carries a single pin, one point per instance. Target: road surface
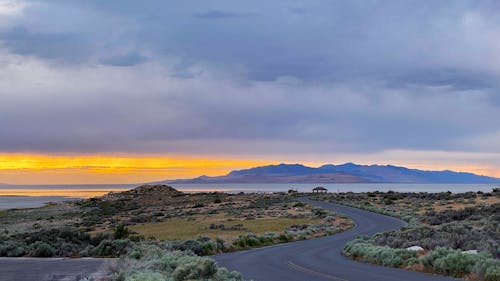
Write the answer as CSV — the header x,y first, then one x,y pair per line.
x,y
321,258
50,269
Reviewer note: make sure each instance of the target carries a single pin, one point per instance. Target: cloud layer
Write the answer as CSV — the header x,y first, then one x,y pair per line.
x,y
221,77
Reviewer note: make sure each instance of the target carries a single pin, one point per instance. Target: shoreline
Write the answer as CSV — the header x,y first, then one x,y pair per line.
x,y
78,193
8,202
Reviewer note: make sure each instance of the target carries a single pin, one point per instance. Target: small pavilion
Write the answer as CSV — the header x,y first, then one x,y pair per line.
x,y
320,189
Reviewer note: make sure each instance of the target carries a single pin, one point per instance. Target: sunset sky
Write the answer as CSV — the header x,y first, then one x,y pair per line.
x,y
134,91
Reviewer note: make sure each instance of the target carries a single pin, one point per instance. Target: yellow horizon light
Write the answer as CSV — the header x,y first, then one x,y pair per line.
x,y
25,168
107,169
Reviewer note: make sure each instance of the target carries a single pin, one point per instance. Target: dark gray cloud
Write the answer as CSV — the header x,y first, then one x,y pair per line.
x,y
47,45
333,40
333,76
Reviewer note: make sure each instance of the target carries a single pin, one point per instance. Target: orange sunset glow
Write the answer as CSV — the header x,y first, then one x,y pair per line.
x,y
121,169
98,169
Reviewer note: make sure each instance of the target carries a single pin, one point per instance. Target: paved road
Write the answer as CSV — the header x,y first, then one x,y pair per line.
x,y
49,269
321,258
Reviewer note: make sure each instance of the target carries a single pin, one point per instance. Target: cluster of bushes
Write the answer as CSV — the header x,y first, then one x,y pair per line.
x,y
458,235
361,248
18,249
227,228
293,233
12,249
392,195
105,248
470,213
442,260
474,228
458,264
389,198
154,263
65,242
99,210
250,240
203,246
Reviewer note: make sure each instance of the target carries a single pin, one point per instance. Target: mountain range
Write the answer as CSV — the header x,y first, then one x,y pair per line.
x,y
345,173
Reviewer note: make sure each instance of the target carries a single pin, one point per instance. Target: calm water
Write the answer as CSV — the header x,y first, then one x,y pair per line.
x,y
338,187
11,202
29,196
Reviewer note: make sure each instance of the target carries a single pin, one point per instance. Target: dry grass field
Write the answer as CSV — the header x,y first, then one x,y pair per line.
x,y
196,226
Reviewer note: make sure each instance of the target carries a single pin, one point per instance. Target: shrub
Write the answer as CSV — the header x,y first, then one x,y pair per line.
x,y
284,238
110,248
195,270
429,260
456,264
319,212
492,274
247,240
120,232
487,267
87,252
12,249
41,249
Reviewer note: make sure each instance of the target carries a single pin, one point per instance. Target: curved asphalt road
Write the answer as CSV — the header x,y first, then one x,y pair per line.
x,y
52,269
321,258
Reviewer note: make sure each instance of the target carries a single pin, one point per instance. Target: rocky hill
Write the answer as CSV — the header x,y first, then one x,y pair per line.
x,y
145,192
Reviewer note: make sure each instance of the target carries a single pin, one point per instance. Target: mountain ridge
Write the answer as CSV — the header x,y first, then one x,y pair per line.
x,y
343,173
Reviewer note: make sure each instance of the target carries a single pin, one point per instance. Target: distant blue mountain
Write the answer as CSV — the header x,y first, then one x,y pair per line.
x,y
395,174
349,172
281,169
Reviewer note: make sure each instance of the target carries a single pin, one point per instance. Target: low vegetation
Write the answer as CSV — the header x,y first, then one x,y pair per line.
x,y
159,262
444,261
363,249
459,233
160,233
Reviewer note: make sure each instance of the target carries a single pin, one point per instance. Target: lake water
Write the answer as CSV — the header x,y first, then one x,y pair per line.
x,y
18,202
30,196
338,187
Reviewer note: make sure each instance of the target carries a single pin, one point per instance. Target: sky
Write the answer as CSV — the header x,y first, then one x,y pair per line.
x,y
133,91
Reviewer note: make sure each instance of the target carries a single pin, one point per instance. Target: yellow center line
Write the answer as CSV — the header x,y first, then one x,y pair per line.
x,y
313,272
